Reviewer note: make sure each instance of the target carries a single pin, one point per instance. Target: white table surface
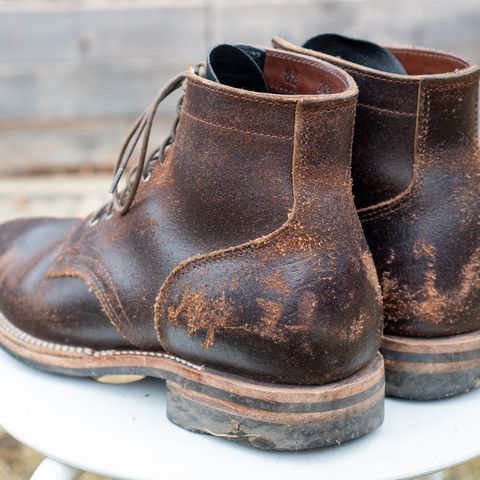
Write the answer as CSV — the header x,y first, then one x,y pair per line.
x,y
122,431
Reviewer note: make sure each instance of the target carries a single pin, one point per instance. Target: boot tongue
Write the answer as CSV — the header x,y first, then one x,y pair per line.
x,y
238,66
357,51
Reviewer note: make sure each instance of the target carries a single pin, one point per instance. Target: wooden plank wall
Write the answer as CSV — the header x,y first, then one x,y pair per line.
x,y
73,73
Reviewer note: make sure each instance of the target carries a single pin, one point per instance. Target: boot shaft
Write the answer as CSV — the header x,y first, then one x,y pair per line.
x,y
232,160
297,284
242,251
416,175
439,90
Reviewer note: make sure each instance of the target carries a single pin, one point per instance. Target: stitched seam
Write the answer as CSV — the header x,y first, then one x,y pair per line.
x,y
386,110
374,212
476,123
86,275
283,89
379,77
31,340
112,286
417,179
420,53
57,272
215,256
290,105
336,62
283,137
192,262
455,85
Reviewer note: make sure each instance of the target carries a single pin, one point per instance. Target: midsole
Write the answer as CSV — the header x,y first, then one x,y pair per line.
x,y
445,354
356,390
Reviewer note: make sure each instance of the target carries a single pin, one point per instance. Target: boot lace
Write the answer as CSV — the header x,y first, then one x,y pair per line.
x,y
142,128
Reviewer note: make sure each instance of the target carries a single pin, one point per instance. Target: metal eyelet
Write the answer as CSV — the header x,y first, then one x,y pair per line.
x,y
94,221
147,177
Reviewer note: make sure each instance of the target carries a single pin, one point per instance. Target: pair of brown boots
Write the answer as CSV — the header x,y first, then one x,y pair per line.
x,y
236,262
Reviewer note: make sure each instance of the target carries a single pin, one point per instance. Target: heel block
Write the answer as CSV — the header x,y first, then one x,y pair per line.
x,y
281,417
431,368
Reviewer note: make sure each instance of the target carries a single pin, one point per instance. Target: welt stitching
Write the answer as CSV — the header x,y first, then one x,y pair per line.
x,y
386,110
280,103
25,337
283,137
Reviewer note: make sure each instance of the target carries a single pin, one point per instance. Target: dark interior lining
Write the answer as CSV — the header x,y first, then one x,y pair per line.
x,y
238,66
357,51
259,70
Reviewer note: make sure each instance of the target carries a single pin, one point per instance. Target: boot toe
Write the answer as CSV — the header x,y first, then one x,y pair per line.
x,y
60,310
24,247
26,237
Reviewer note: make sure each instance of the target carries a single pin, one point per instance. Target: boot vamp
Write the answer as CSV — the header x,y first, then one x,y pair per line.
x,y
60,310
96,286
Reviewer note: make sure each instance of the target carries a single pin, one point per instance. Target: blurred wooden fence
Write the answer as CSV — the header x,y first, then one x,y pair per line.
x,y
74,73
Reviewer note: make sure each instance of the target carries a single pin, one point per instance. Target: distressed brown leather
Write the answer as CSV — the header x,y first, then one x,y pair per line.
x,y
242,252
416,174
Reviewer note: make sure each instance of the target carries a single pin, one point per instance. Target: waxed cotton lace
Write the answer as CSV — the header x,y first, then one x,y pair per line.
x,y
142,128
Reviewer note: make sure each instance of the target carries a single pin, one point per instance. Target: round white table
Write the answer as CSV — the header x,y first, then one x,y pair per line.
x,y
121,431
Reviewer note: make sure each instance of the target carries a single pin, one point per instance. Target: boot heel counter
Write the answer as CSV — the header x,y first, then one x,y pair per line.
x,y
274,311
426,242
300,305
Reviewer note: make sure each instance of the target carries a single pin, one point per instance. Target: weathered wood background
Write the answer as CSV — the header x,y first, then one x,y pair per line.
x,y
73,74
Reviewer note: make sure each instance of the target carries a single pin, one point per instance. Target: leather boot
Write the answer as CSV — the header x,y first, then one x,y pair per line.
x,y
232,263
416,179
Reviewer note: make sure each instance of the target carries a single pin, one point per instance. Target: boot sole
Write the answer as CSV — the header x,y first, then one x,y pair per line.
x,y
200,399
431,368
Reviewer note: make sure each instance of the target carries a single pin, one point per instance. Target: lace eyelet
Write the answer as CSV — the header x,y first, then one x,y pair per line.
x,y
94,221
141,131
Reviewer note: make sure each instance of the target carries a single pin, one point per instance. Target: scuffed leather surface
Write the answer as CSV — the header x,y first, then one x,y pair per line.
x,y
382,160
301,305
221,185
426,245
425,233
226,182
64,311
382,157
